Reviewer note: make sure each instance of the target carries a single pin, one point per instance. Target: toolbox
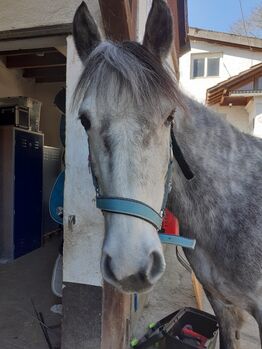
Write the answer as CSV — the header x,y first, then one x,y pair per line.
x,y
187,328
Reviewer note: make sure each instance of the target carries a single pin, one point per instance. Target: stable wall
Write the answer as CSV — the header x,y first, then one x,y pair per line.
x,y
16,14
50,115
13,84
82,240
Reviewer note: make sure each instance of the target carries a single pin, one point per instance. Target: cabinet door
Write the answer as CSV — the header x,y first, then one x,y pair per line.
x,y
28,192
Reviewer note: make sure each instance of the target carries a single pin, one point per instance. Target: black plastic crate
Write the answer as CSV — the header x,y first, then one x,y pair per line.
x,y
167,331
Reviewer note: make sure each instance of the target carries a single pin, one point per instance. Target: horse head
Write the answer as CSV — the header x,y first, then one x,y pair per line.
x,y
126,99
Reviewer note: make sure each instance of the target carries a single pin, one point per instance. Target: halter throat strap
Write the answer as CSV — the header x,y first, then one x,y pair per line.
x,y
178,155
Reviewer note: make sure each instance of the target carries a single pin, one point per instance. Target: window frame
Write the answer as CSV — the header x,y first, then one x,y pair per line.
x,y
205,56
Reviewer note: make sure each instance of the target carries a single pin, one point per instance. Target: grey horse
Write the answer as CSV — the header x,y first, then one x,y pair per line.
x,y
128,100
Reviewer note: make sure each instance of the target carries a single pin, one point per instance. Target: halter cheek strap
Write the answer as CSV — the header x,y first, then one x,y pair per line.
x,y
141,210
131,207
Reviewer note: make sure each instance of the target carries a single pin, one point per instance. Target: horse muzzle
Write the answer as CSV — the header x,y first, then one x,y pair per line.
x,y
142,277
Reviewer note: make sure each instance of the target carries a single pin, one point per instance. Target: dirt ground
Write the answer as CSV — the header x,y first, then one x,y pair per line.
x,y
28,278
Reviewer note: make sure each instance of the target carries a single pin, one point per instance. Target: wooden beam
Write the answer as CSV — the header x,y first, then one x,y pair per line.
x,y
183,27
35,61
45,72
134,13
62,49
38,43
119,20
36,32
116,15
50,79
176,47
234,100
174,9
180,22
29,51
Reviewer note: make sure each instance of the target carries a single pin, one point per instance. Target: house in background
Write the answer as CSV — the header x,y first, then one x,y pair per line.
x,y
224,71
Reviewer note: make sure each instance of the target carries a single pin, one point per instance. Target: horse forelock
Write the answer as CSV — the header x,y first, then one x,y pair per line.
x,y
133,70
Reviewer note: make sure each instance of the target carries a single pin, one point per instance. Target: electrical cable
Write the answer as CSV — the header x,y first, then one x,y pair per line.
x,y
183,261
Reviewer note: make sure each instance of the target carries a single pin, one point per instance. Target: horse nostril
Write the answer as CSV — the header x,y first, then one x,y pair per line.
x,y
157,265
108,268
142,276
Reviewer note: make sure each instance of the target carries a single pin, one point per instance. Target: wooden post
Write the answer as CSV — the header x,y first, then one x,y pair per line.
x,y
198,290
115,319
116,15
119,19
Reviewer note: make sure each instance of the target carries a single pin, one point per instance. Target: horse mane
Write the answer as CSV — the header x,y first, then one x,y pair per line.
x,y
133,68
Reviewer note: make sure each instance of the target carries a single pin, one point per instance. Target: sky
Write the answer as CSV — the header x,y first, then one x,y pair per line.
x,y
218,15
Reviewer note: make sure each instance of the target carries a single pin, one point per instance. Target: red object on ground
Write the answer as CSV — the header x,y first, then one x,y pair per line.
x,y
188,332
170,223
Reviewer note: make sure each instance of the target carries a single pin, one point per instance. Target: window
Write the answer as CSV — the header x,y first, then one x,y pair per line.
x,y
199,67
205,66
258,83
247,87
213,66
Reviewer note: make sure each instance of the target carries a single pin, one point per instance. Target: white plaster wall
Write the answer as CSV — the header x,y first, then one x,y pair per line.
x,y
254,109
50,115
82,241
233,61
237,116
17,14
13,84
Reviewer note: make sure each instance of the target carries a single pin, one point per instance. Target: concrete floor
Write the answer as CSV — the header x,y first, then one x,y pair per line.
x,y
174,291
27,278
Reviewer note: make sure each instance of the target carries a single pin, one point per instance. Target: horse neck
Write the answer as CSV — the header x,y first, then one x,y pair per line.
x,y
226,163
207,142
205,138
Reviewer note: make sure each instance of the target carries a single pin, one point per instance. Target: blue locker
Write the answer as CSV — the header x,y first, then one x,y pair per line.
x,y
24,178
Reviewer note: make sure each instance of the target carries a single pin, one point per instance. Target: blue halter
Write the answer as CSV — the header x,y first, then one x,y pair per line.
x,y
139,209
135,208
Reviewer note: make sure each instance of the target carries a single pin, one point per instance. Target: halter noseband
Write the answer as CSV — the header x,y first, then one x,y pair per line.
x,y
139,209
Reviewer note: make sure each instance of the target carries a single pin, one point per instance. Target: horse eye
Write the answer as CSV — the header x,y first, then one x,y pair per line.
x,y
85,121
170,118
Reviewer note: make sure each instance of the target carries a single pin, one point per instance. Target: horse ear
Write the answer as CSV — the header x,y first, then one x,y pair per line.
x,y
159,30
85,32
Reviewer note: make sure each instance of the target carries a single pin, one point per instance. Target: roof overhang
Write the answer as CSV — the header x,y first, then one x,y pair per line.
x,y
229,92
225,39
